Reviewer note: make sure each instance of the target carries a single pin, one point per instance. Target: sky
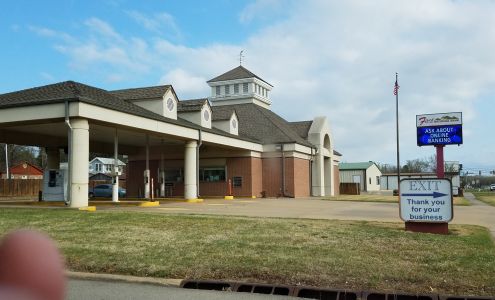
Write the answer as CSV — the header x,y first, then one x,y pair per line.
x,y
324,58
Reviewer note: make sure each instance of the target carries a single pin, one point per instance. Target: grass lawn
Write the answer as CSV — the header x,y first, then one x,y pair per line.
x,y
487,197
384,198
337,254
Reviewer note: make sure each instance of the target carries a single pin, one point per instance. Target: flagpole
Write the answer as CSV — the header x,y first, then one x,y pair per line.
x,y
396,92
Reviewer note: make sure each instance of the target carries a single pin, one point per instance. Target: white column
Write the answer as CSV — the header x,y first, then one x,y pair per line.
x,y
79,157
161,173
190,184
318,184
53,158
147,174
115,185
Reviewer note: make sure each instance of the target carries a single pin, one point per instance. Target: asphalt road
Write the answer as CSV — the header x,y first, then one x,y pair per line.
x,y
109,290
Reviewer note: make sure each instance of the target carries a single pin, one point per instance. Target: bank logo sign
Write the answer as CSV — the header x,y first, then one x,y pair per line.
x,y
426,200
439,129
453,118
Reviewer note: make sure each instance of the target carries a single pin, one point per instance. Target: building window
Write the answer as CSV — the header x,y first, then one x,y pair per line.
x,y
214,174
377,180
237,181
370,180
217,90
108,168
170,104
98,167
245,88
236,88
227,89
173,175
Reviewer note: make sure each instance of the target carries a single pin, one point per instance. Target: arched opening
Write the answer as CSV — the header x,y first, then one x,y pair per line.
x,y
326,142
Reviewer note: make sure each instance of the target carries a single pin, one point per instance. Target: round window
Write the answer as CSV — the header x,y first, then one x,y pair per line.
x,y
234,123
206,115
170,104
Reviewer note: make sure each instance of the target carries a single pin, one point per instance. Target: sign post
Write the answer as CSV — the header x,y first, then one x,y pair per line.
x,y
426,205
436,130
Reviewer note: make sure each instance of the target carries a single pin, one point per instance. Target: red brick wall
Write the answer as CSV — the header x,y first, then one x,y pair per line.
x,y
290,183
257,176
241,167
301,177
272,181
296,177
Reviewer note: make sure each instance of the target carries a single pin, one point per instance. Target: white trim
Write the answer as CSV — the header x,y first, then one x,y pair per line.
x,y
232,142
110,116
33,113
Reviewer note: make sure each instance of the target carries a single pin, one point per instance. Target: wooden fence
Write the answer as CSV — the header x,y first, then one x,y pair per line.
x,y
349,188
20,187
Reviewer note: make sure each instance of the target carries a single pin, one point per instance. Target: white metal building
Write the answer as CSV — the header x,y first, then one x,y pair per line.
x,y
366,174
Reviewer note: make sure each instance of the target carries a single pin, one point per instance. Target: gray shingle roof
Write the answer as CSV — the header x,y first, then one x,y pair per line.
x,y
151,92
222,114
237,73
191,105
261,124
302,128
77,92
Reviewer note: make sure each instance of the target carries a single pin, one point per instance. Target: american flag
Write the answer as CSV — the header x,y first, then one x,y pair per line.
x,y
396,88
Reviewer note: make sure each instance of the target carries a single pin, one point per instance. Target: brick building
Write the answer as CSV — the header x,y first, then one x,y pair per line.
x,y
186,148
295,155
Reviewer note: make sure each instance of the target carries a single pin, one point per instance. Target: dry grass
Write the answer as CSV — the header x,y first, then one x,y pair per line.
x,y
337,254
385,199
487,197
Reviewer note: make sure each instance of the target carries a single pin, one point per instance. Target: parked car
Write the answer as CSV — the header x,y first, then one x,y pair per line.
x,y
492,187
104,190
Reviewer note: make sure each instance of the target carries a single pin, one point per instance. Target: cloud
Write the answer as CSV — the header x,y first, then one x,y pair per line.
x,y
262,9
181,80
102,28
162,24
332,58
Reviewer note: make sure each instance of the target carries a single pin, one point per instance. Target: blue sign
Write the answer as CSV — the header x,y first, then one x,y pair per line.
x,y
439,135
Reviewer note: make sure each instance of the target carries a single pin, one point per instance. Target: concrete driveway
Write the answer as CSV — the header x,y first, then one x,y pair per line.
x,y
311,208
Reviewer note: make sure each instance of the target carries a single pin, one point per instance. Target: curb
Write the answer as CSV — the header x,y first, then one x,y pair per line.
x,y
149,204
124,278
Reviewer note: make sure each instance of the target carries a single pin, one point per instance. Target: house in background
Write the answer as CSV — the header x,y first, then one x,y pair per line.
x,y
367,174
24,170
104,165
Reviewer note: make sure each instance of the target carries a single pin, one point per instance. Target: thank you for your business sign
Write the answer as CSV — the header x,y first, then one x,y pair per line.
x,y
426,200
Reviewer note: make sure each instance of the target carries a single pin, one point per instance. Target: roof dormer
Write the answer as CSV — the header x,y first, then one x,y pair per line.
x,y
238,86
158,99
226,120
197,111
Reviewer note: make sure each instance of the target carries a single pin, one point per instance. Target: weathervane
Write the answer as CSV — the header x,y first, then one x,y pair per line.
x,y
240,57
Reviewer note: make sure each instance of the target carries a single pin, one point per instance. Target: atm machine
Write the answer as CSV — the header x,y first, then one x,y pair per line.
x,y
55,185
